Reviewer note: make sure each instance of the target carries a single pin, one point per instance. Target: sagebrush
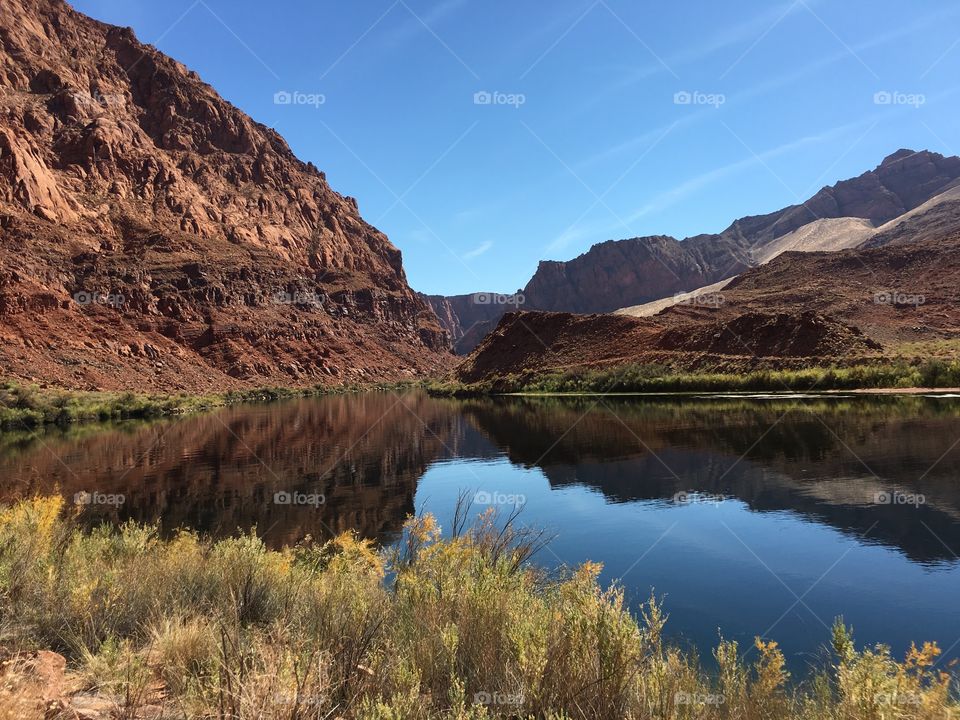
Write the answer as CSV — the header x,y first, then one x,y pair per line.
x,y
462,626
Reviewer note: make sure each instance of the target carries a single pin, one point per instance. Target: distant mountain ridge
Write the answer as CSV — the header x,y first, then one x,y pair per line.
x,y
620,273
865,305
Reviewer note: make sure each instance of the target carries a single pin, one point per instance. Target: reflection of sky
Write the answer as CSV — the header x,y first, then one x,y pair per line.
x,y
722,567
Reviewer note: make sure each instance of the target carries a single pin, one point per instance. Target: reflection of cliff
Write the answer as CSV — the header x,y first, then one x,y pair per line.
x,y
219,471
365,454
821,460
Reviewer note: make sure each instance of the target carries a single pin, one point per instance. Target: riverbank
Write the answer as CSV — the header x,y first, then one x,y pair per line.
x,y
26,407
464,627
30,406
651,378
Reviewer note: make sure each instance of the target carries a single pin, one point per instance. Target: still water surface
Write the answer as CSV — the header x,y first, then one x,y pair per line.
x,y
748,515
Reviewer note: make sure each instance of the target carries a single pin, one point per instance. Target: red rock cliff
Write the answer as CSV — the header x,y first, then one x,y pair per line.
x,y
154,236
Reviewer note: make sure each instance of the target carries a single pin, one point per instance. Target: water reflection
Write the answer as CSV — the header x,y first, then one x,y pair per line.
x,y
856,464
220,472
755,516
829,460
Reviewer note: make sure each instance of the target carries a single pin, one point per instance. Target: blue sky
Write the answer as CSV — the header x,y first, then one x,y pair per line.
x,y
606,119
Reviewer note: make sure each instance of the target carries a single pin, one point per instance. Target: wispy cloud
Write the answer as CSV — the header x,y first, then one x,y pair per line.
x,y
790,79
603,230
749,30
410,26
420,236
478,251
469,215
691,186
569,237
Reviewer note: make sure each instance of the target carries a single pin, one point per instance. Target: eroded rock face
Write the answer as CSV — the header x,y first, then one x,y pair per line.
x,y
903,181
189,228
640,269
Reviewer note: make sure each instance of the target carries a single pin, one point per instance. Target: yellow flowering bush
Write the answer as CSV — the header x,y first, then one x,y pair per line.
x,y
459,626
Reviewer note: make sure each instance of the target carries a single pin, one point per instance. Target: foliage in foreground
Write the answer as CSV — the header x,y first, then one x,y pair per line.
x,y
652,378
457,628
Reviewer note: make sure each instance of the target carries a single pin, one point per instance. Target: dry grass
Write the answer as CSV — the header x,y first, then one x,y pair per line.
x,y
462,627
941,349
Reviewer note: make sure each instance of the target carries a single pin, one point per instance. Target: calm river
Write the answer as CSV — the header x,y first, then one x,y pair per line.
x,y
749,515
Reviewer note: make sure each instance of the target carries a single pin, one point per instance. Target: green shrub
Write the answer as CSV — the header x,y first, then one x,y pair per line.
x,y
24,407
652,378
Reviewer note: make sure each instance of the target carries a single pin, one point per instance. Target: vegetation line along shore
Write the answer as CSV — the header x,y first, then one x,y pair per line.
x,y
649,378
29,406
462,626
